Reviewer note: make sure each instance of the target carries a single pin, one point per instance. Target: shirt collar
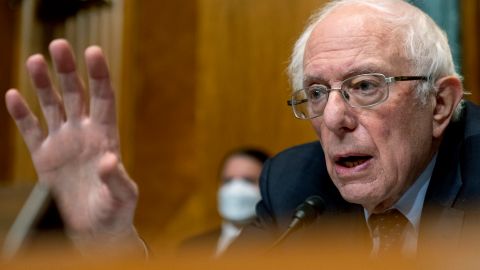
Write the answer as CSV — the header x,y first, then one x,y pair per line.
x,y
230,230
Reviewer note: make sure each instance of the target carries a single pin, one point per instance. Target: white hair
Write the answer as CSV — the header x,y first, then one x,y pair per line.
x,y
425,45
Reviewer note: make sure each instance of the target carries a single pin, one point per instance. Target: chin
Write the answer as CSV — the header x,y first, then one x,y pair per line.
x,y
366,194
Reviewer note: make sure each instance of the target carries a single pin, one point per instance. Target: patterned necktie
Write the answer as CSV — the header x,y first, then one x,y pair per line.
x,y
389,227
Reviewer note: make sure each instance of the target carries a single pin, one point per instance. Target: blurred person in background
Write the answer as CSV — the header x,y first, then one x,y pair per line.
x,y
237,197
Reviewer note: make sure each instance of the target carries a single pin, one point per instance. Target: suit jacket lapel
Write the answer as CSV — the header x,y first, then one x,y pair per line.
x,y
441,224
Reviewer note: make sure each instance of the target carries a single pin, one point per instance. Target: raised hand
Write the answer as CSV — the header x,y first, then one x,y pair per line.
x,y
79,157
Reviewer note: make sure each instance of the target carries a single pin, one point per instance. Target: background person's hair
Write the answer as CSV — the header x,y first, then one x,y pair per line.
x,y
254,153
425,45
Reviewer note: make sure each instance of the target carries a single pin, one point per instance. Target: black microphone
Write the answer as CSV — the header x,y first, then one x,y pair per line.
x,y
304,214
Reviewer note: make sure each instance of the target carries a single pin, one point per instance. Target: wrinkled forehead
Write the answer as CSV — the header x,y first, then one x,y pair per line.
x,y
355,37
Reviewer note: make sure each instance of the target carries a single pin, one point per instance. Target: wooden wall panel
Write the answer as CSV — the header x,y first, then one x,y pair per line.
x,y
162,63
243,50
470,43
8,18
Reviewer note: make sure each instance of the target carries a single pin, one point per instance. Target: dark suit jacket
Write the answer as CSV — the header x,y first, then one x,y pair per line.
x,y
450,207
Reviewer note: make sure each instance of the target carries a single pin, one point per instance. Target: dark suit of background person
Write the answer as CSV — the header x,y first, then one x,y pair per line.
x,y
450,212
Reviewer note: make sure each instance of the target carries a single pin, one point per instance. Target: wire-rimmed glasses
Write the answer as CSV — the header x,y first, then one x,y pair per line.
x,y
362,91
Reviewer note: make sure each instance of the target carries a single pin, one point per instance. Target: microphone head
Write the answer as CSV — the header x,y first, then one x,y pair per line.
x,y
310,209
316,202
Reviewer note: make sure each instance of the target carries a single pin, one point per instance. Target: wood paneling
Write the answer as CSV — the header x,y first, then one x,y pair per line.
x,y
8,18
163,66
470,43
210,77
243,50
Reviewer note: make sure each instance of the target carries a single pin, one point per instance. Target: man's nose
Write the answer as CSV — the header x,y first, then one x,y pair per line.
x,y
338,116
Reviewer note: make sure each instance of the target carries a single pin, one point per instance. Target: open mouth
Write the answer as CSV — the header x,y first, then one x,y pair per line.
x,y
352,161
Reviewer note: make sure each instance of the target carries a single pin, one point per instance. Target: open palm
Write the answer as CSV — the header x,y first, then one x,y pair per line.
x,y
79,156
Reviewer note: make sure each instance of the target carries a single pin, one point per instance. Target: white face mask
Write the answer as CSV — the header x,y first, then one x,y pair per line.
x,y
237,199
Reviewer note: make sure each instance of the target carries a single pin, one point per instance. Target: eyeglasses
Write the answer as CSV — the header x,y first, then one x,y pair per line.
x,y
361,91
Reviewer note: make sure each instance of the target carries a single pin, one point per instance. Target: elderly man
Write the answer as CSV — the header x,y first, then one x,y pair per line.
x,y
396,153
377,82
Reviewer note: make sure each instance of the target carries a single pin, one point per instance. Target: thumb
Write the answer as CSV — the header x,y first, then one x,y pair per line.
x,y
113,175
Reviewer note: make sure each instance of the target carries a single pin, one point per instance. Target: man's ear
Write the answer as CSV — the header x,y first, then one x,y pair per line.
x,y
449,92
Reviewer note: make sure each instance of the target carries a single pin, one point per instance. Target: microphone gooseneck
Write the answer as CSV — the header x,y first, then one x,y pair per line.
x,y
304,214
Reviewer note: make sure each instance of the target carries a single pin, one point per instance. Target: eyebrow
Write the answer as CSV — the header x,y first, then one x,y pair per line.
x,y
364,69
